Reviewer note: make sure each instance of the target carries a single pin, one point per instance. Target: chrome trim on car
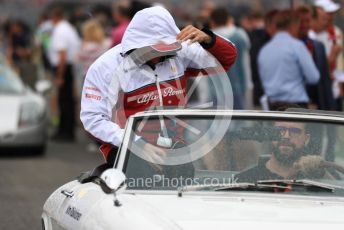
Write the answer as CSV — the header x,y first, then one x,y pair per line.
x,y
267,114
119,163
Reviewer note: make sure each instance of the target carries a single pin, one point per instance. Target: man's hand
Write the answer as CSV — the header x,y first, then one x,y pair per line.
x,y
336,50
310,166
155,155
194,35
61,68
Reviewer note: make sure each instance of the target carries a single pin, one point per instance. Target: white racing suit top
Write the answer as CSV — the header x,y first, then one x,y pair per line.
x,y
116,87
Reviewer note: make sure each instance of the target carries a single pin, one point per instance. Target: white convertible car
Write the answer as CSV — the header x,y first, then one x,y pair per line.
x,y
195,170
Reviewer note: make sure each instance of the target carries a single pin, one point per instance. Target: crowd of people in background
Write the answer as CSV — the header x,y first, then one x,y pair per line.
x,y
285,56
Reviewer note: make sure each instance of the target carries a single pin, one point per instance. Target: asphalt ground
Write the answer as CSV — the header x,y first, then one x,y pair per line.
x,y
27,180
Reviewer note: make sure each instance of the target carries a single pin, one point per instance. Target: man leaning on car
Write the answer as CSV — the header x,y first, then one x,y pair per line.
x,y
105,91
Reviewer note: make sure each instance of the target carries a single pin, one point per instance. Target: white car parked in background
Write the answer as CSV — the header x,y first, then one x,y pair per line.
x,y
225,179
23,117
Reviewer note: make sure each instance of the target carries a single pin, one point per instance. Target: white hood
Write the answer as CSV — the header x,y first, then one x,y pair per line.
x,y
149,27
209,212
169,212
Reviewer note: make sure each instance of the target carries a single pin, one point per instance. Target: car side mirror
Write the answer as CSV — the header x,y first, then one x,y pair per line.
x,y
113,178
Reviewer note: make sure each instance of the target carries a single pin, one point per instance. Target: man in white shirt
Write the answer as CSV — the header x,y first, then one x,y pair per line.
x,y
62,52
332,38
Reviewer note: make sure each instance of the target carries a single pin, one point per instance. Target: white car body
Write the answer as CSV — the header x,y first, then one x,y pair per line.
x,y
194,211
85,206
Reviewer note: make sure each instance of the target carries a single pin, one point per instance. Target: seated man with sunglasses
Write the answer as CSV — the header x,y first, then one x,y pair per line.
x,y
288,159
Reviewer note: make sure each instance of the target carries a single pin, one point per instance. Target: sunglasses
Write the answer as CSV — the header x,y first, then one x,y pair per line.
x,y
293,132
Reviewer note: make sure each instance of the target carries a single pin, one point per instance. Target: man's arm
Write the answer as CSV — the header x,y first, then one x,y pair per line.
x,y
99,95
307,64
222,49
334,54
61,67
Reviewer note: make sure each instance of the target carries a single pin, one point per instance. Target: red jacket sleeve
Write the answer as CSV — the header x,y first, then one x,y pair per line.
x,y
224,51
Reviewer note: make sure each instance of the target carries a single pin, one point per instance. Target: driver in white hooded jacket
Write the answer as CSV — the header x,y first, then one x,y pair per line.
x,y
116,86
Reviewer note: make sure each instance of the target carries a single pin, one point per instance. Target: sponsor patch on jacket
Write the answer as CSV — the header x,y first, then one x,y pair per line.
x,y
93,96
92,89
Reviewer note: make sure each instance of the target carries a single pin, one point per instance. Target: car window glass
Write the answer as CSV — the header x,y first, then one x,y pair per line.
x,y
9,81
251,150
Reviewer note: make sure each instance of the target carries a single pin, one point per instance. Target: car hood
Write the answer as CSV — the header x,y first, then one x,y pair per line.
x,y
246,212
11,107
194,212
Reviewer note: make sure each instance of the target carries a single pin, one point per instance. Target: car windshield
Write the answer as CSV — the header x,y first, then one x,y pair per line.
x,y
172,152
9,81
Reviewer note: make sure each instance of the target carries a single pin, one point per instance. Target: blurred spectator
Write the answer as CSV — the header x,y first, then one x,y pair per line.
x,y
252,21
321,96
319,21
19,42
121,16
62,52
136,6
285,65
259,37
223,24
77,16
205,11
94,43
246,23
124,11
103,14
332,37
42,39
19,51
42,42
257,20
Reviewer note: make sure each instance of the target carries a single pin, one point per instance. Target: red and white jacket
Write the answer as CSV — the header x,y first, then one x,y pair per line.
x,y
116,87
